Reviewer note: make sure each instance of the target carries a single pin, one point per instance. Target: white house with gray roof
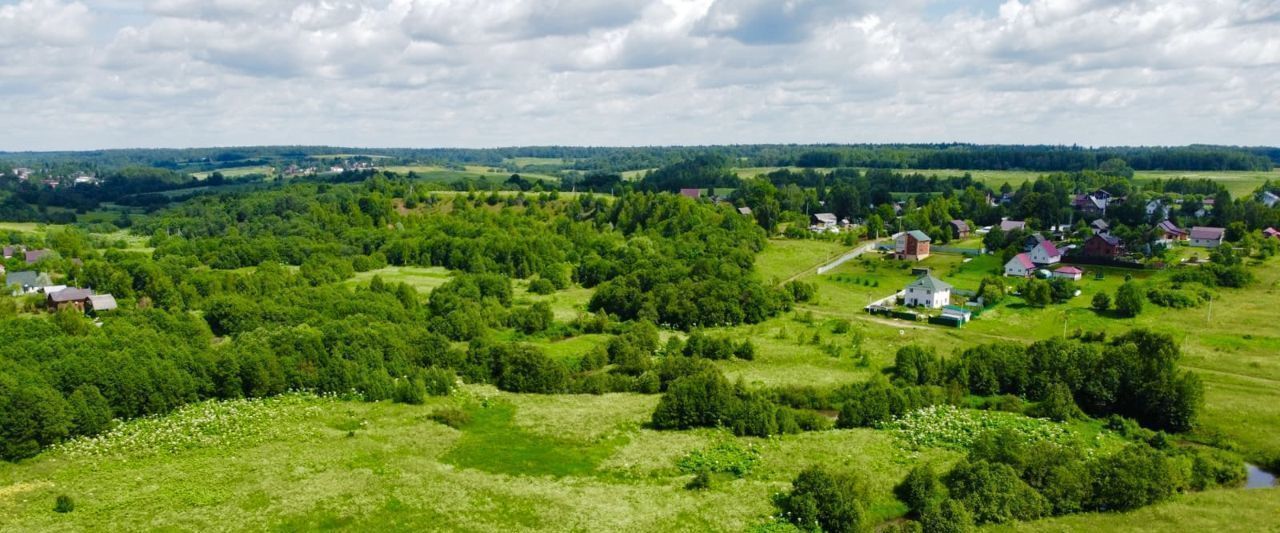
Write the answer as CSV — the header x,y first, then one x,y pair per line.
x,y
927,291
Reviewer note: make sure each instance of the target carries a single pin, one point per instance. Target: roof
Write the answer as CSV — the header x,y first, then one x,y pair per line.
x,y
1168,226
1271,232
744,210
930,283
70,294
1202,232
35,255
826,217
1023,260
1069,270
1110,239
960,225
1049,248
691,193
918,235
1010,225
102,302
1100,224
25,278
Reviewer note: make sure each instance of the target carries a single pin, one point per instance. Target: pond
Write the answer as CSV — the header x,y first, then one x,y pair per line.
x,y
1259,478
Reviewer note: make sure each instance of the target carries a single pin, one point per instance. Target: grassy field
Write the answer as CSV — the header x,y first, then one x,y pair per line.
x,y
421,278
237,172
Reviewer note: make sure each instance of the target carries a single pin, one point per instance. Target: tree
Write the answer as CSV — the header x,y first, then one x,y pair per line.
x,y
1101,302
921,489
825,499
875,226
991,291
1038,293
1129,299
1058,404
949,516
994,492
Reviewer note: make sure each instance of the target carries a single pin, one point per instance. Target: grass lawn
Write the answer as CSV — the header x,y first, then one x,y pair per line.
x,y
424,279
236,172
784,258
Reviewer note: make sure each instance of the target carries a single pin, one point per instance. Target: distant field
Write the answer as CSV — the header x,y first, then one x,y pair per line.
x,y
424,279
236,172
530,161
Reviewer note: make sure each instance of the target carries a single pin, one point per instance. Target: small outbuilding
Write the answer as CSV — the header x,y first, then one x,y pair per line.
x,y
1069,272
960,228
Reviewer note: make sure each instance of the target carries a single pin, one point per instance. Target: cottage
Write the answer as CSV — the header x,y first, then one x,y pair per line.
x,y
1094,203
1270,199
825,221
1103,246
1010,225
34,256
1020,266
1271,233
68,298
927,291
101,303
1170,232
25,281
1100,226
912,245
1069,272
1207,237
1045,253
960,228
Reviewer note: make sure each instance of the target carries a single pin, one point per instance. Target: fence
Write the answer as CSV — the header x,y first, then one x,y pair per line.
x,y
955,250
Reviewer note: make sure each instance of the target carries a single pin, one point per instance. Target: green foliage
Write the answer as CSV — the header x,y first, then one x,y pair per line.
x,y
1057,404
1133,477
701,481
451,416
994,493
726,456
921,490
949,516
948,426
916,365
64,504
827,500
1037,293
1129,300
1101,302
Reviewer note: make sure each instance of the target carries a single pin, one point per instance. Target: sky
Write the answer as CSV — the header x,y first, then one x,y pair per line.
x,y
90,74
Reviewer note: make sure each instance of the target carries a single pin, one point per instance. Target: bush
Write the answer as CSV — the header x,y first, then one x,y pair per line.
x,y
409,391
64,504
1211,467
439,381
994,493
1136,476
1057,405
700,481
527,369
541,286
1101,302
921,489
826,499
451,416
949,516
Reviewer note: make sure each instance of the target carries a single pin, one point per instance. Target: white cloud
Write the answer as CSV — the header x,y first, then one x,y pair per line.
x,y
108,73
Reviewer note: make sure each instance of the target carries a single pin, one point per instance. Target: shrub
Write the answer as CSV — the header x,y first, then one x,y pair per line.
x,y
1101,302
700,481
1136,476
826,499
1129,299
727,456
410,391
439,381
994,493
745,351
921,489
526,369
949,516
451,416
541,286
64,504
1057,405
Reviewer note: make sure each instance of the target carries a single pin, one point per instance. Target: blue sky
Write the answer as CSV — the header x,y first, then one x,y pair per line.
x,y
82,74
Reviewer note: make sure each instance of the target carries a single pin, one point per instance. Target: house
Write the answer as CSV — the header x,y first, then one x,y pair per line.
x,y
1269,199
33,256
85,179
68,298
25,281
912,245
744,211
101,303
1094,203
957,313
960,228
1103,245
1010,225
1271,233
1045,253
1170,232
825,221
1032,241
1020,266
1157,208
691,193
1069,272
1206,237
1100,226
9,251
927,291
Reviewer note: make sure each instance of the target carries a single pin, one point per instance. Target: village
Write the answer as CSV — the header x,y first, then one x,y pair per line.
x,y
36,279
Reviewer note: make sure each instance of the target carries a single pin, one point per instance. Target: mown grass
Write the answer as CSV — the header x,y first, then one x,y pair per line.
x,y
424,279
